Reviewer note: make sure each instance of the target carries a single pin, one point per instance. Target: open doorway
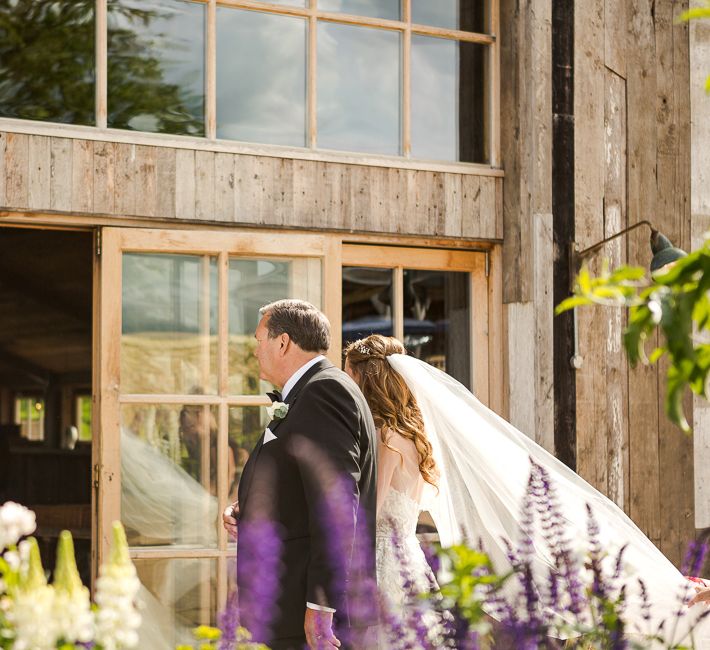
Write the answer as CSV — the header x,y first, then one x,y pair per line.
x,y
45,382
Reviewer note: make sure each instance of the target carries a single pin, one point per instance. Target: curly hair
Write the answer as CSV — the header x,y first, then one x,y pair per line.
x,y
393,406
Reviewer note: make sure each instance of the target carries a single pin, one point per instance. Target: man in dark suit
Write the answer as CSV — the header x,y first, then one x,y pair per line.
x,y
325,430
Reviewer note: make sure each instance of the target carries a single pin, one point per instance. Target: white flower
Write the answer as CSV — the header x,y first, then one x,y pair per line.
x,y
13,560
117,619
31,614
277,410
72,603
16,521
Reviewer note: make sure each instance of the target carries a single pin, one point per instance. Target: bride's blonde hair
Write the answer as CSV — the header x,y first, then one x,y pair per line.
x,y
393,406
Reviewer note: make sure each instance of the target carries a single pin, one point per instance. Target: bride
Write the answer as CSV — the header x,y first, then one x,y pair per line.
x,y
440,449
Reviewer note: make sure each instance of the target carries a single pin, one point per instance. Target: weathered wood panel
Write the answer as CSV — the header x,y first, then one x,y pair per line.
x,y
644,474
38,191
16,170
131,180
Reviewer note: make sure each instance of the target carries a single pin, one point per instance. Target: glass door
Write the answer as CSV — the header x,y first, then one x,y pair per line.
x,y
181,400
434,301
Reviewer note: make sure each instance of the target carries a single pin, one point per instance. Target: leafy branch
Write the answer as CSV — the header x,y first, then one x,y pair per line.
x,y
675,302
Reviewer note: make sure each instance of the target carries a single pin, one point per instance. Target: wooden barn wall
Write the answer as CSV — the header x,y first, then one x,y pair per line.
x,y
632,162
56,174
632,151
700,214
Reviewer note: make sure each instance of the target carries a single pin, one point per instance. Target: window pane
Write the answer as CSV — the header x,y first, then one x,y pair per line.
x,y
169,474
261,77
467,15
389,9
358,89
252,284
47,60
437,317
169,324
83,417
178,595
156,66
246,424
447,100
367,302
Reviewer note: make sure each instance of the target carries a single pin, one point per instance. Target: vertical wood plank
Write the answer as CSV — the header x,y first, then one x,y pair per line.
x,y
204,185
616,418
453,213
644,477
488,208
497,374
39,195
543,377
470,206
3,173
82,176
125,179
104,177
185,184
166,182
283,190
16,169
60,174
521,352
224,187
146,181
615,36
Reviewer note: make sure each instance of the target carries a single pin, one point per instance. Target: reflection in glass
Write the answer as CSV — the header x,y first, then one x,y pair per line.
x,y
367,302
246,424
447,100
467,15
253,284
358,89
261,77
169,474
156,66
389,9
177,595
47,60
437,317
169,321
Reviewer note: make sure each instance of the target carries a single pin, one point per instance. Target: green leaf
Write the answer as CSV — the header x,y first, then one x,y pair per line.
x,y
693,14
627,274
656,355
571,303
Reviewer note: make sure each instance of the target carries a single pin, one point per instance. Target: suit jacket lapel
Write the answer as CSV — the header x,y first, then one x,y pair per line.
x,y
248,472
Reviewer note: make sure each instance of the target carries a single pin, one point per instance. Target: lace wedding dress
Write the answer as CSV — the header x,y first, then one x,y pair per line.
x,y
402,569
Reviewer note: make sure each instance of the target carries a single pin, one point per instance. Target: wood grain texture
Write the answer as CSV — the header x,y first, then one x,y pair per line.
x,y
60,174
39,166
104,177
16,170
82,176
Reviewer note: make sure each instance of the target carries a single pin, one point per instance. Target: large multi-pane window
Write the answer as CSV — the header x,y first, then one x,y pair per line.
x,y
410,78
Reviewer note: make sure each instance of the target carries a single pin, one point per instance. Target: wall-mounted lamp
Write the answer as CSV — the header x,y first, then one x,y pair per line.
x,y
663,250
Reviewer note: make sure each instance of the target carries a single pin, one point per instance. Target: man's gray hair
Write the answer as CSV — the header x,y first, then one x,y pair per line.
x,y
307,326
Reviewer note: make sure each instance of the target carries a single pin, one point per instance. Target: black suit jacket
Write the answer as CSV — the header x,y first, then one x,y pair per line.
x,y
328,432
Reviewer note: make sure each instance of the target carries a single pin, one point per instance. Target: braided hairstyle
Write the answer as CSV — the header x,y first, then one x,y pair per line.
x,y
393,406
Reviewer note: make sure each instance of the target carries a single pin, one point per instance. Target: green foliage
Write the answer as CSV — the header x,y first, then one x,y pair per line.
x,y
676,304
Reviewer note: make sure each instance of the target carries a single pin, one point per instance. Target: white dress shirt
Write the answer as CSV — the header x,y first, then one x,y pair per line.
x,y
292,381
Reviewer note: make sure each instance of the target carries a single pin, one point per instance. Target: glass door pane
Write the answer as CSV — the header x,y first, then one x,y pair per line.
x,y
367,302
437,320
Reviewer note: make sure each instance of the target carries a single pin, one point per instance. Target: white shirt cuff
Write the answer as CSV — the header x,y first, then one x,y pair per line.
x,y
320,608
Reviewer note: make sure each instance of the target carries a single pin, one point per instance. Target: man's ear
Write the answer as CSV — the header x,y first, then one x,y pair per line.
x,y
284,343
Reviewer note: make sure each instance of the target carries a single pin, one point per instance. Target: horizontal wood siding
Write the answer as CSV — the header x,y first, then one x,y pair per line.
x,y
128,180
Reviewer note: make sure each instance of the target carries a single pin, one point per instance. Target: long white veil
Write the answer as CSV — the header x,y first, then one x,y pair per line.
x,y
485,465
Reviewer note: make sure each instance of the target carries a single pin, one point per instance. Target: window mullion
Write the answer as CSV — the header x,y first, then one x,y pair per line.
x,y
311,76
101,69
492,108
407,79
211,71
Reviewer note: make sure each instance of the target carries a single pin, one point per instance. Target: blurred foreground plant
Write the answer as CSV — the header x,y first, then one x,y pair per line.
x,y
675,302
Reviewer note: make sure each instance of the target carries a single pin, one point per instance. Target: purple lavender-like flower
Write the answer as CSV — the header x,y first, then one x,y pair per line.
x,y
228,622
259,566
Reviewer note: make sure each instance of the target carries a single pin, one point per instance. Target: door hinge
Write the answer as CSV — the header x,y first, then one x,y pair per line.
x,y
98,242
97,476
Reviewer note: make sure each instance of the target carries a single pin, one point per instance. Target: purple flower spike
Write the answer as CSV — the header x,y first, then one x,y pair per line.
x,y
259,566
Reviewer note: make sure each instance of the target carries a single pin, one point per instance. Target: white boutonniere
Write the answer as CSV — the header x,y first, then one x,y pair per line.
x,y
277,410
